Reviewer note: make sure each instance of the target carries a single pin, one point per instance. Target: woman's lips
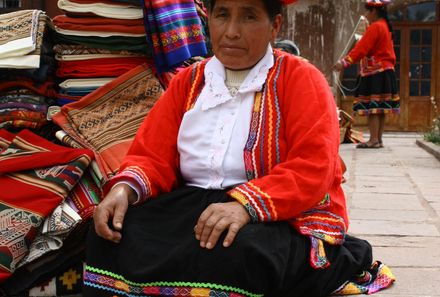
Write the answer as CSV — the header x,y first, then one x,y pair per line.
x,y
231,49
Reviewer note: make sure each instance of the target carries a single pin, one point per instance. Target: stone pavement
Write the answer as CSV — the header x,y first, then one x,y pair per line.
x,y
393,196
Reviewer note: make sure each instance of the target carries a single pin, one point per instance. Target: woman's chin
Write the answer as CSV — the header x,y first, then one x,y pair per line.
x,y
236,64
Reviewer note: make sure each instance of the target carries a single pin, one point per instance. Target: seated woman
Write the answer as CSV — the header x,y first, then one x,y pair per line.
x,y
232,186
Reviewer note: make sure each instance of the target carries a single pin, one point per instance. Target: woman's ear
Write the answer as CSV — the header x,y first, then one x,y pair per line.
x,y
276,26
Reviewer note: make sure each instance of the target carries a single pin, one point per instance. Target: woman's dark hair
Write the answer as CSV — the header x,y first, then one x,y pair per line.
x,y
273,7
381,13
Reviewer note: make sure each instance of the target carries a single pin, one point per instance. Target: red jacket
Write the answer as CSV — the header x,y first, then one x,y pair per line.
x,y
375,50
291,157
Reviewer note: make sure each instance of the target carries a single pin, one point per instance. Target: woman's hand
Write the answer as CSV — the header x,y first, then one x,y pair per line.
x,y
218,217
338,66
109,214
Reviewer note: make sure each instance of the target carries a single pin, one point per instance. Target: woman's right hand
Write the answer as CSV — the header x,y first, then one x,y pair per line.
x,y
109,214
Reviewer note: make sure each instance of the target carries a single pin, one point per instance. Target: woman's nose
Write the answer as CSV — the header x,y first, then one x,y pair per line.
x,y
233,30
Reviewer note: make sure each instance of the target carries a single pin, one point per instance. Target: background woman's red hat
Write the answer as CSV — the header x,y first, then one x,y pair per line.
x,y
287,2
378,3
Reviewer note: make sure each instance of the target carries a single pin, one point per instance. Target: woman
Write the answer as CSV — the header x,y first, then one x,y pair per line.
x,y
234,178
376,94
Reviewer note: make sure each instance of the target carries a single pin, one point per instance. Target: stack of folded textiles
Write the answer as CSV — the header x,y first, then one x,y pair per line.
x,y
26,69
97,41
45,217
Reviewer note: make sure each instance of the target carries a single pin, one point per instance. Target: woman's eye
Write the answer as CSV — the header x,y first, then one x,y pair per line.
x,y
250,17
221,15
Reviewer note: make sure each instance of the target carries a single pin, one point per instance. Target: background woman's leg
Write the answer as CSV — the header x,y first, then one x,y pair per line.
x,y
374,125
381,127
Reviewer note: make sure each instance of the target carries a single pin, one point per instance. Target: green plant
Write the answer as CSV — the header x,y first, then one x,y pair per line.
x,y
434,134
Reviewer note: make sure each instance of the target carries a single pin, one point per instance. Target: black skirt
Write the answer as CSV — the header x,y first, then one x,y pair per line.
x,y
377,94
159,256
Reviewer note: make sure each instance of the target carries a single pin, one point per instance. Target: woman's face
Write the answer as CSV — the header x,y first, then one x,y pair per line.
x,y
371,15
240,32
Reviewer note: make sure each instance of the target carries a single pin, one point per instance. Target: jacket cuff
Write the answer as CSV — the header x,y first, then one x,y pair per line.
x,y
135,177
346,62
254,201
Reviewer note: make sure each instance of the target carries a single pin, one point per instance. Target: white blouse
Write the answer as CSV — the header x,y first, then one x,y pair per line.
x,y
213,134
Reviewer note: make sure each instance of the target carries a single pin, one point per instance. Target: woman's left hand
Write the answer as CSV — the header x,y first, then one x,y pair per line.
x,y
338,66
218,217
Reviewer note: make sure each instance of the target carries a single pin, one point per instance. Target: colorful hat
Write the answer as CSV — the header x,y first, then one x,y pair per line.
x,y
378,3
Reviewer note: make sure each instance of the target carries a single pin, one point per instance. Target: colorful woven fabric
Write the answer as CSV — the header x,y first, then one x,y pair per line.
x,y
41,174
85,196
99,24
106,120
379,277
44,89
67,283
22,38
175,32
137,44
107,9
5,139
19,32
62,50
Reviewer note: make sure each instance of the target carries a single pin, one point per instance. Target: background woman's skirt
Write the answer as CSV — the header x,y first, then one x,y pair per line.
x,y
159,256
377,94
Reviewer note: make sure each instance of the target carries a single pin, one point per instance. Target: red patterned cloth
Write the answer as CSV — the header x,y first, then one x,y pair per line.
x,y
107,119
38,175
104,67
5,139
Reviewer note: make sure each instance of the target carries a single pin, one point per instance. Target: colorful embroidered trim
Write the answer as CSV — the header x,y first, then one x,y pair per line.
x,y
108,281
377,278
376,104
321,226
135,173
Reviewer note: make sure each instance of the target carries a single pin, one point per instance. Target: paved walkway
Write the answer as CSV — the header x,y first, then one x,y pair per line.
x,y
393,195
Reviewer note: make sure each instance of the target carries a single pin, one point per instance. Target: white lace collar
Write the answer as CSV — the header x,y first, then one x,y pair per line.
x,y
215,91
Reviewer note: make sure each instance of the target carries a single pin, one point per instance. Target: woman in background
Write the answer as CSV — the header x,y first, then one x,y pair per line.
x,y
376,94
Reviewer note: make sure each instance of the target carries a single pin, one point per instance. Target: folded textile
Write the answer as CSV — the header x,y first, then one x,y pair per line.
x,y
22,110
55,228
46,89
96,33
133,2
22,39
5,139
99,24
111,2
38,75
175,32
106,120
41,174
95,173
106,67
65,51
113,10
77,93
22,118
135,44
36,278
85,196
19,32
9,106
